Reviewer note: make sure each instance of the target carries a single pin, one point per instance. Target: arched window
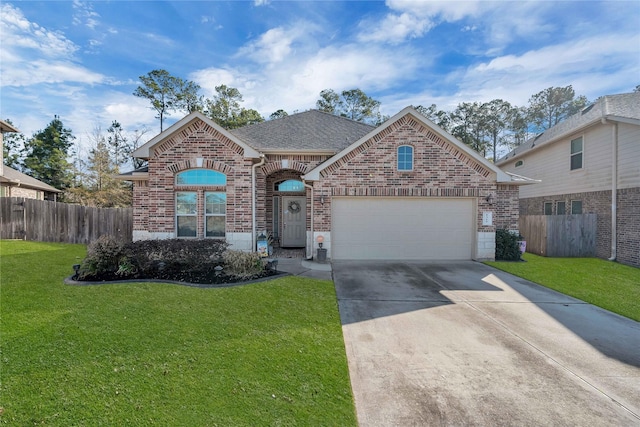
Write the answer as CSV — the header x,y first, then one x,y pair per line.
x,y
190,213
290,185
201,177
405,158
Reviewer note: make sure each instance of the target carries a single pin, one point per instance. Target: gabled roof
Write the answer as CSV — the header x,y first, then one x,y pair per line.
x,y
145,151
623,108
501,176
310,131
14,177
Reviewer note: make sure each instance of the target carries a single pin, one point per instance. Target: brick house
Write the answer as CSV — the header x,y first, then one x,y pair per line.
x,y
590,163
14,183
403,190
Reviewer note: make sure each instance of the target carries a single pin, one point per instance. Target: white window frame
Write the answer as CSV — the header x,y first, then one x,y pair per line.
x,y
222,214
544,208
564,207
577,153
191,214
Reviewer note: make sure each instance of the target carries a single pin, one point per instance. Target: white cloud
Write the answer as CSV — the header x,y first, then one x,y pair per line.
x,y
85,15
32,54
18,33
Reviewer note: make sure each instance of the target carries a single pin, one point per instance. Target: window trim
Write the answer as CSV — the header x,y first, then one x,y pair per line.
x,y
578,153
544,208
177,215
398,159
564,207
218,215
581,206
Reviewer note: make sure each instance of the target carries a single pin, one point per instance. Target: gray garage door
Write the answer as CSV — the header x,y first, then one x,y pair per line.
x,y
402,228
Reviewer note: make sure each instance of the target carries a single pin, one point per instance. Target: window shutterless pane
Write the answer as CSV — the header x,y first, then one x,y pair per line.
x,y
290,185
576,161
405,158
560,208
186,203
576,145
576,207
201,177
548,208
215,226
215,203
186,226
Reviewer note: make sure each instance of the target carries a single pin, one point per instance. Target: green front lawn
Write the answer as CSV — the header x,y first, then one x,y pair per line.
x,y
159,354
612,286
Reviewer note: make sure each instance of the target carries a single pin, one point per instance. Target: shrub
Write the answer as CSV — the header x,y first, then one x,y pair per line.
x,y
155,258
507,247
242,265
103,257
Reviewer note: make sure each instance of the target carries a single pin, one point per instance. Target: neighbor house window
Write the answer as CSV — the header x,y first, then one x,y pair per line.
x,y
548,208
186,213
519,163
215,205
560,208
576,153
405,158
576,207
290,185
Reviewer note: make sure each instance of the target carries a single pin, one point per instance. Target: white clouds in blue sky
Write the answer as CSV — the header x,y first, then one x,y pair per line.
x,y
81,60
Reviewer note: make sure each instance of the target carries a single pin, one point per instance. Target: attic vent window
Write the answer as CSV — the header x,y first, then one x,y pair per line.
x,y
519,163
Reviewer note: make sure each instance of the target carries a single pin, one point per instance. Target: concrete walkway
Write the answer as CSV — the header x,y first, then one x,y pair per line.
x,y
454,344
302,267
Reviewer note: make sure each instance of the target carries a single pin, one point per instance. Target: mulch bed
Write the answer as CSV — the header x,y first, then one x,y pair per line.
x,y
201,279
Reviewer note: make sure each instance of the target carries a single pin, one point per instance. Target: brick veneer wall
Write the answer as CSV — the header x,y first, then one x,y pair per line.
x,y
440,170
155,203
599,202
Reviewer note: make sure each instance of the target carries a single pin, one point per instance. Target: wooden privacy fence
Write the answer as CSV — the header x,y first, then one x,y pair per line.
x,y
560,235
45,221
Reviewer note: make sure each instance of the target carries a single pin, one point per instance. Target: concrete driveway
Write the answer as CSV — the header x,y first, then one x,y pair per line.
x,y
461,343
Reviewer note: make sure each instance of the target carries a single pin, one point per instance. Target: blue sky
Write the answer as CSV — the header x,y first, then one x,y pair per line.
x,y
81,60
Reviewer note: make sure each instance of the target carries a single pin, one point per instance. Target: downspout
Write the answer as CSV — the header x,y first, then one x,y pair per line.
x,y
253,201
311,188
614,192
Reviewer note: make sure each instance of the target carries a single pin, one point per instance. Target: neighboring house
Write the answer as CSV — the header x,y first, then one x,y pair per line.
x,y
404,190
589,163
17,184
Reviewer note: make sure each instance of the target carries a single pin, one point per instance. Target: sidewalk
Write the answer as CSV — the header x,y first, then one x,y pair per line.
x,y
302,267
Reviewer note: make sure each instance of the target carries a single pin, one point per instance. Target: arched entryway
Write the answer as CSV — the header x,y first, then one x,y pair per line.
x,y
287,209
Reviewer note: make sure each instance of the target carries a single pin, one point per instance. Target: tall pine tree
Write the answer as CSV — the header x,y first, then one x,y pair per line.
x,y
47,153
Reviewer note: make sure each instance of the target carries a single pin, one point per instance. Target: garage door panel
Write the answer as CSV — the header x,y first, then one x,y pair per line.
x,y
402,228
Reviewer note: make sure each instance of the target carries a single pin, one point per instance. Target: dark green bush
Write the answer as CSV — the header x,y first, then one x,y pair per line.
x,y
507,247
155,258
103,257
109,259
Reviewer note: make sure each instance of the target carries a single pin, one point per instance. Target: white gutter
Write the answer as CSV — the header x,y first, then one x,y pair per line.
x,y
311,188
253,201
614,192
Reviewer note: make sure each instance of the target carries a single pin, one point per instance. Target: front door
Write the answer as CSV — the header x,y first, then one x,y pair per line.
x,y
294,222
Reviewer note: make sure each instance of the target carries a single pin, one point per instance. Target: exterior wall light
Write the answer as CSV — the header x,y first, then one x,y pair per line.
x,y
490,198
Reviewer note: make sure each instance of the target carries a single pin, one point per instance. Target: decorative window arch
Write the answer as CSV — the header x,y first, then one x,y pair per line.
x,y
405,158
289,185
201,177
